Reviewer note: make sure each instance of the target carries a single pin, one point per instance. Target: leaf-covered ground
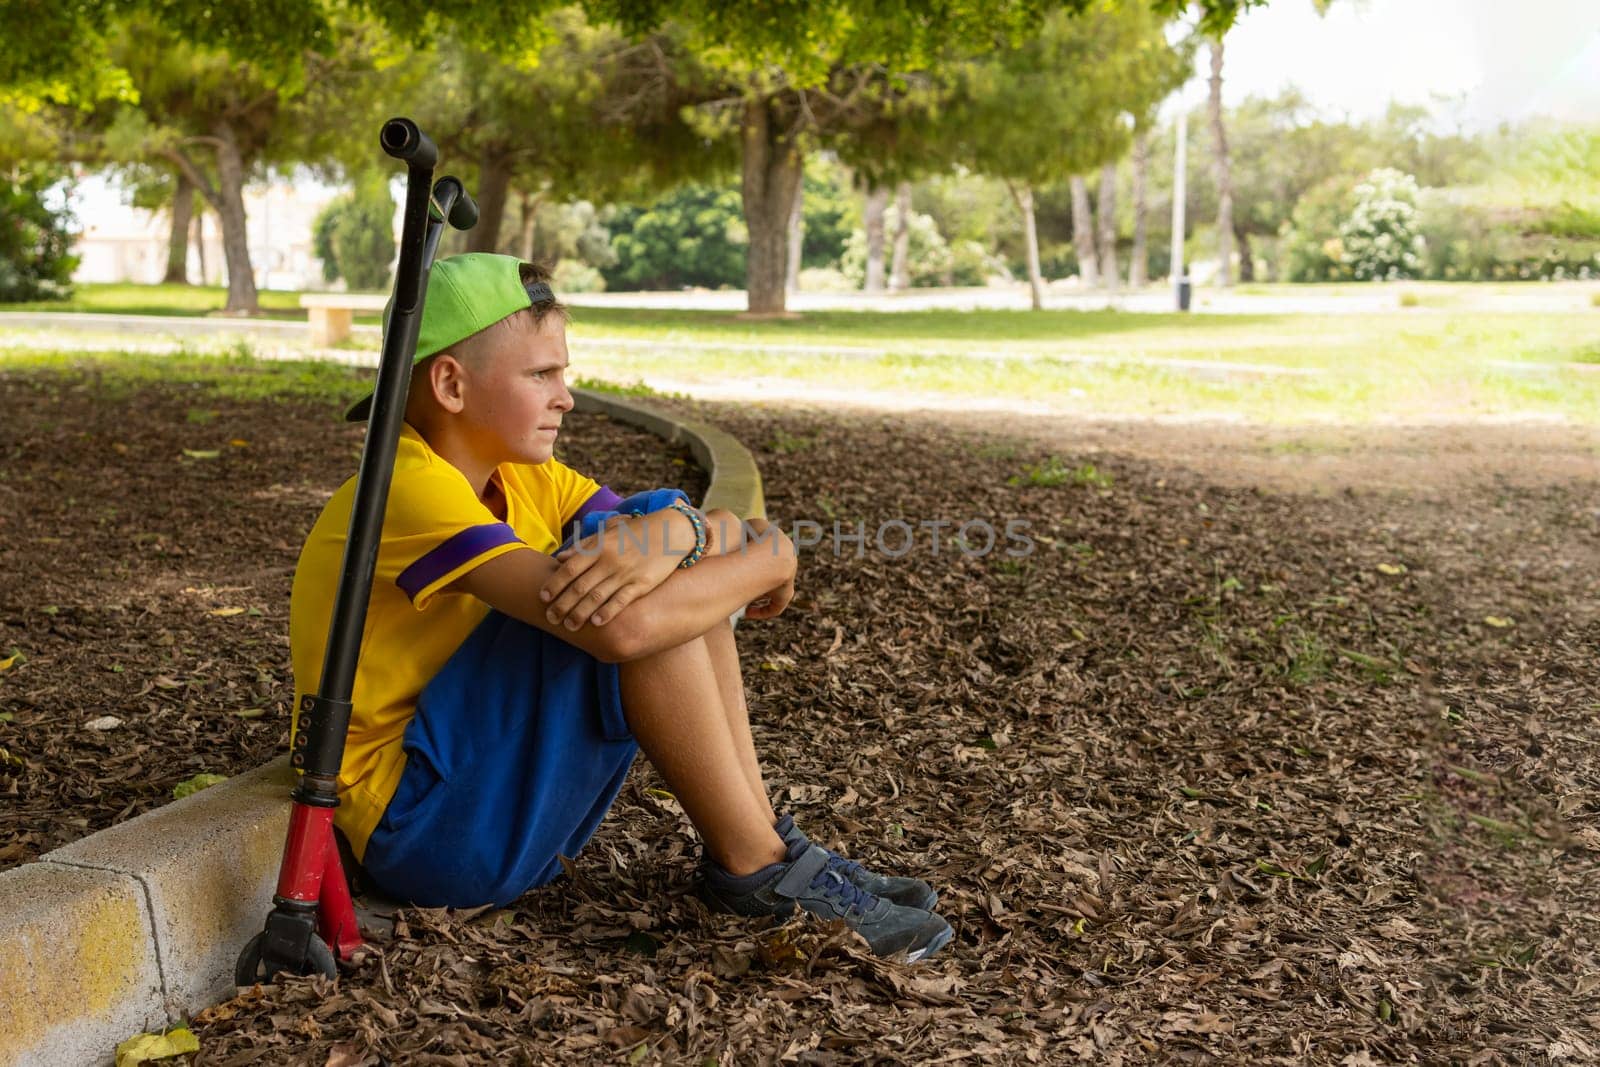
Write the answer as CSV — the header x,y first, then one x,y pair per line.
x,y
148,536
1212,775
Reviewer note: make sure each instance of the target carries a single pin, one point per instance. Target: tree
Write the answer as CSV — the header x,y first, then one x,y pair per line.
x,y
1060,103
586,114
899,269
354,235
163,188
787,77
876,206
1110,277
177,272
1082,234
1224,173
1139,259
35,237
215,118
798,76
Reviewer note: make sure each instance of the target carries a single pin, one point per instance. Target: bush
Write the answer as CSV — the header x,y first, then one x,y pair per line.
x,y
692,236
34,239
354,236
832,210
931,260
1472,241
1379,239
572,230
1312,249
575,276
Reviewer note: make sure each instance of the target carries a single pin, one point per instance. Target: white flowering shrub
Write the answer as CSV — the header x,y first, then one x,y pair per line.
x,y
1379,241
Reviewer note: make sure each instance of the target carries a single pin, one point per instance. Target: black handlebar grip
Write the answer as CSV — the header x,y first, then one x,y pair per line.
x,y
404,141
464,212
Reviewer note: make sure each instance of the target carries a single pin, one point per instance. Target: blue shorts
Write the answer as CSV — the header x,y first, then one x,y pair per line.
x,y
516,752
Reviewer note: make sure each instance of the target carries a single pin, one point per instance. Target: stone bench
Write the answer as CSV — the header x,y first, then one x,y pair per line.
x,y
331,314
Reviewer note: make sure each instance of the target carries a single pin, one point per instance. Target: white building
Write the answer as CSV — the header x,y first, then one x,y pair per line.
x,y
119,243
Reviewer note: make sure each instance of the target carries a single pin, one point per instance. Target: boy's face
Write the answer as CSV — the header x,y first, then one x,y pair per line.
x,y
515,397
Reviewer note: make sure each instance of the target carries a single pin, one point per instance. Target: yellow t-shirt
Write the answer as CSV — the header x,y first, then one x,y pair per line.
x,y
435,529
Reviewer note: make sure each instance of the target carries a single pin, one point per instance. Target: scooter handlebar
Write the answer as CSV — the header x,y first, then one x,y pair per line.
x,y
404,141
464,212
452,203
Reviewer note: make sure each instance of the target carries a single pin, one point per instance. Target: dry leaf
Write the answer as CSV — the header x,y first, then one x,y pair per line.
x,y
149,1048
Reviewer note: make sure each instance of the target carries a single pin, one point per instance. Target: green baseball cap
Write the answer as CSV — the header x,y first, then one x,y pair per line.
x,y
466,293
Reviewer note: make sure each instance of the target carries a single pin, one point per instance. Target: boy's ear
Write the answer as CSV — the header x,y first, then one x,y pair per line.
x,y
444,377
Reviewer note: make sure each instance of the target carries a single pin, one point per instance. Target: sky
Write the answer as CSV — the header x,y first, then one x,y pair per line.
x,y
1491,61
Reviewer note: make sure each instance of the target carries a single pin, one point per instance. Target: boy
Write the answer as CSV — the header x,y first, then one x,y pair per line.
x,y
506,682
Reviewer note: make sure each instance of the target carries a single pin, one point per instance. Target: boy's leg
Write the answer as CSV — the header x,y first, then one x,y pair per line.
x,y
730,681
674,705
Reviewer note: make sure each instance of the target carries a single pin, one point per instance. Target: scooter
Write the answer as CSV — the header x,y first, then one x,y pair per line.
x,y
313,924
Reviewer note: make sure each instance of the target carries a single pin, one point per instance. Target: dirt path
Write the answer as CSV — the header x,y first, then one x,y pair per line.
x,y
1428,461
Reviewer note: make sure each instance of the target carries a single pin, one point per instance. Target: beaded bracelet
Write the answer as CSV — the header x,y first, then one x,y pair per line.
x,y
699,525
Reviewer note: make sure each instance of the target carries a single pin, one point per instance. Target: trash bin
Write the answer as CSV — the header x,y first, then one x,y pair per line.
x,y
1185,289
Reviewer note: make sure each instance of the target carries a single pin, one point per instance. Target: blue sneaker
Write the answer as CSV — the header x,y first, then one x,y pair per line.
x,y
806,881
909,892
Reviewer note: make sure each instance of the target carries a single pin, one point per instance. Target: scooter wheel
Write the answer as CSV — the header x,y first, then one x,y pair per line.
x,y
251,968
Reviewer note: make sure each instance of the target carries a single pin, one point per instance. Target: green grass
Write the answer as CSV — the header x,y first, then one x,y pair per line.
x,y
157,300
1367,367
1396,365
1052,472
233,376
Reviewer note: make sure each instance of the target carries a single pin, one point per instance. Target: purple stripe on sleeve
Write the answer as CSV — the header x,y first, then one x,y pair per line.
x,y
603,499
465,546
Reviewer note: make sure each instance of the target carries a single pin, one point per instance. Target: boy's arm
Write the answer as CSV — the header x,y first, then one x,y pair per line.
x,y
601,575
686,605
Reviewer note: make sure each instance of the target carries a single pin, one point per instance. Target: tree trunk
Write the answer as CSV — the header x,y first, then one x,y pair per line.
x,y
528,204
872,218
1224,171
200,241
178,236
1139,268
900,266
1110,276
797,239
494,183
1247,266
772,165
1023,194
242,299
1083,233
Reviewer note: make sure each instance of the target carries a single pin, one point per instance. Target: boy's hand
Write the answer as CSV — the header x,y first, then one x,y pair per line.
x,y
602,575
771,605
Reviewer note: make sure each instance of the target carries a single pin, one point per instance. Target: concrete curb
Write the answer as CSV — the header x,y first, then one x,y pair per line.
x,y
136,928
735,479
